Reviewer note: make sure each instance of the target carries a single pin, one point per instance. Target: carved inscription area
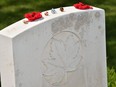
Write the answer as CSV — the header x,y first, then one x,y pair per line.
x,y
60,57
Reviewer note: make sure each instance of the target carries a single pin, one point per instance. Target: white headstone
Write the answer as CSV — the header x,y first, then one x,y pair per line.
x,y
66,49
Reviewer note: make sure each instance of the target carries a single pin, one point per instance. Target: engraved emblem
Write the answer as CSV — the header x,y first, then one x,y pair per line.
x,y
61,56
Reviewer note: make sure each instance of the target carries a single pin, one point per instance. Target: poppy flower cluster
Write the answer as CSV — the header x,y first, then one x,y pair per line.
x,y
82,6
33,16
37,15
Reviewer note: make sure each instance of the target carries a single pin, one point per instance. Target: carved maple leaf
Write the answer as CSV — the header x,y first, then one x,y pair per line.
x,y
63,58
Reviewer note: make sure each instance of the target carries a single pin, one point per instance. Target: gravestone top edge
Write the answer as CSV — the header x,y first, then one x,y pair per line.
x,y
19,27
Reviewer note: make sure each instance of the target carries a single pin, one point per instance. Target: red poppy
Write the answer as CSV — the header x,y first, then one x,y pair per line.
x,y
82,6
33,16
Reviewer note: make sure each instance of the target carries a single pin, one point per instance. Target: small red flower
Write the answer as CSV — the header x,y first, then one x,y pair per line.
x,y
33,16
82,6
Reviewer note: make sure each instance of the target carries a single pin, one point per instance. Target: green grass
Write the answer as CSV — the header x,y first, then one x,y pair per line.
x,y
13,10
111,77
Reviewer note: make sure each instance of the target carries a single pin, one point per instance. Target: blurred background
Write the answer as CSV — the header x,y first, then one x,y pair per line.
x,y
13,10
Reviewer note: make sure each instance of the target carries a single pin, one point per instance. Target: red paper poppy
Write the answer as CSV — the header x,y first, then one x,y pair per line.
x,y
33,16
82,6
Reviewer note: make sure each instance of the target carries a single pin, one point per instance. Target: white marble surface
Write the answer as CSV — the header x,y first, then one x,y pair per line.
x,y
66,49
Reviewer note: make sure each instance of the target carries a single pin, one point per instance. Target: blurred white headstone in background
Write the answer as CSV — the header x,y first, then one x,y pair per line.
x,y
66,49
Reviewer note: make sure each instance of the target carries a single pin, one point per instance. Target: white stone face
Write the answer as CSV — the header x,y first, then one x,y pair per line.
x,y
66,49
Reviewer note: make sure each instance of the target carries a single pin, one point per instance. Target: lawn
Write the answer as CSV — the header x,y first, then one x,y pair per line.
x,y
13,10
